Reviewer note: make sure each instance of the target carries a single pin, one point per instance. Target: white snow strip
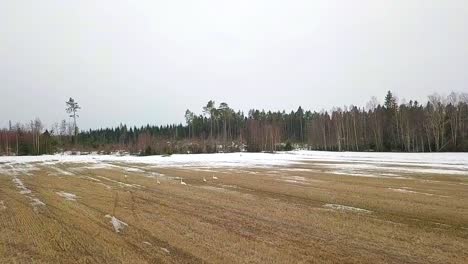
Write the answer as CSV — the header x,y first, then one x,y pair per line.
x,y
67,196
63,172
354,173
25,191
407,190
119,182
297,178
299,169
134,170
99,166
20,185
346,208
154,175
36,202
93,179
402,190
117,224
19,168
294,181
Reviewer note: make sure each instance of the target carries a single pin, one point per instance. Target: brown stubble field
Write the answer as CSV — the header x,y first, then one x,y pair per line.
x,y
301,214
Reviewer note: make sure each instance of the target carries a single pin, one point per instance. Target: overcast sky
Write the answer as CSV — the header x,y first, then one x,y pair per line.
x,y
140,62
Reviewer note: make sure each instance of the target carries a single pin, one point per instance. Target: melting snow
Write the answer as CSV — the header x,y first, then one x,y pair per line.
x,y
25,191
18,168
407,190
346,208
354,163
117,224
120,183
20,185
93,179
36,202
402,189
134,170
295,179
63,172
67,196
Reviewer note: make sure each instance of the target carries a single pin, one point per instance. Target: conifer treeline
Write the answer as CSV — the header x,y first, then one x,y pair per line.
x,y
440,124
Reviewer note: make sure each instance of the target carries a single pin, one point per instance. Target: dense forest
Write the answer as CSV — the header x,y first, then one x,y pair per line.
x,y
440,124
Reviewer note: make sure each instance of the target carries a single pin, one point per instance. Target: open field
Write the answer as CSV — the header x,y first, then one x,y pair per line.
x,y
301,207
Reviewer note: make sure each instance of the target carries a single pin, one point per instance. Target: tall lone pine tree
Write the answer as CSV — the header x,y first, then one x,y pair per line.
x,y
72,109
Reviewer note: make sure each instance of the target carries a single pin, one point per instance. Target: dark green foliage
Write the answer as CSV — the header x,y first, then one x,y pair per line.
x,y
148,151
25,149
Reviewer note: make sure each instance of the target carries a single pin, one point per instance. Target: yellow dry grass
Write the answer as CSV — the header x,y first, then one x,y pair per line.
x,y
246,216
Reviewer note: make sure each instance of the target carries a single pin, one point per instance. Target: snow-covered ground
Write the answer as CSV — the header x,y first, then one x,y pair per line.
x,y
389,164
349,163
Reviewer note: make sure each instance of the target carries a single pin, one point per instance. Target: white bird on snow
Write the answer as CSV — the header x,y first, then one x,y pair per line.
x,y
181,182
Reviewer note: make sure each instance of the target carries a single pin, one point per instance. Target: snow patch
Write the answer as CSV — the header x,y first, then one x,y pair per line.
x,y
120,183
346,208
134,170
20,185
407,190
35,202
99,166
19,168
63,172
91,178
299,169
402,190
117,224
154,175
67,196
295,179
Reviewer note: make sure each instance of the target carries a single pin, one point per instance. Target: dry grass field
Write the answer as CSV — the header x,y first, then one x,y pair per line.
x,y
131,213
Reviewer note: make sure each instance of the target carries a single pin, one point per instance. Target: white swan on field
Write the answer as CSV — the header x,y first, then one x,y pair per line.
x,y
182,182
215,178
204,180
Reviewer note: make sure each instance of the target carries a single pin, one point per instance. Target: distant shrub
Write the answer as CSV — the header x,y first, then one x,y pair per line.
x,y
147,152
288,146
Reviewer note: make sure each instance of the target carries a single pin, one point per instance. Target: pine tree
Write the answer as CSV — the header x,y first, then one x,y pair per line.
x,y
72,109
